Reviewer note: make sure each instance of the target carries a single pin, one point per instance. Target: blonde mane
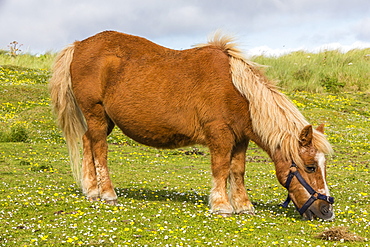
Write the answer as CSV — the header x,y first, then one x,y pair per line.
x,y
275,119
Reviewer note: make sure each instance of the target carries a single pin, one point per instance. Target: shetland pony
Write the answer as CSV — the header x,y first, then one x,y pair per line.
x,y
210,95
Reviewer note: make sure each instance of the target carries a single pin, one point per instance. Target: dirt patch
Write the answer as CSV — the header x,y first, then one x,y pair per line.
x,y
339,234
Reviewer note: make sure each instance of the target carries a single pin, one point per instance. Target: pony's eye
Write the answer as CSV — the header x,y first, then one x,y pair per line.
x,y
311,168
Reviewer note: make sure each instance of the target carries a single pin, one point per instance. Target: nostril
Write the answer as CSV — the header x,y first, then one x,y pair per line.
x,y
325,209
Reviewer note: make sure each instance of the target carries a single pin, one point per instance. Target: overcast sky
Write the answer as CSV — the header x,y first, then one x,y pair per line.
x,y
259,25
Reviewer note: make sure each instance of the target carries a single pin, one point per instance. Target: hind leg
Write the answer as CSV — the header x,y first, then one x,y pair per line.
x,y
89,176
238,195
96,180
89,181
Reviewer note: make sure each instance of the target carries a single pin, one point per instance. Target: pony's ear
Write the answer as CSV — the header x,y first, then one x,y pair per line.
x,y
320,128
305,139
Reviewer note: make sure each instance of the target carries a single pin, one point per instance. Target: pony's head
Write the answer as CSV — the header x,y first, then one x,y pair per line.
x,y
306,181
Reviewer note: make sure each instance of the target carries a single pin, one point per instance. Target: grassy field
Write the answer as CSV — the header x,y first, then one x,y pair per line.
x,y
163,194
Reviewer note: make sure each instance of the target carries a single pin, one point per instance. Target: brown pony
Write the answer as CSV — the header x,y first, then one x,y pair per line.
x,y
210,95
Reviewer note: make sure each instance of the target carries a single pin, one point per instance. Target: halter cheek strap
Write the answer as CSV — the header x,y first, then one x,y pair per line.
x,y
314,195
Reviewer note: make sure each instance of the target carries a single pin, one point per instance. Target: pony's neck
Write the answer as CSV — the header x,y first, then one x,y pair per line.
x,y
275,153
281,166
264,146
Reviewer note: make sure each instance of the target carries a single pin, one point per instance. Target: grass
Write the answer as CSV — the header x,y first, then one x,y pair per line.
x,y
329,71
27,60
163,194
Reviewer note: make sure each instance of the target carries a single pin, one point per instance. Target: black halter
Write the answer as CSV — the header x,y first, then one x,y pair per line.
x,y
314,195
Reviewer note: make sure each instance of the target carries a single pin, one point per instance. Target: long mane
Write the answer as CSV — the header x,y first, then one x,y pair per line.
x,y
275,119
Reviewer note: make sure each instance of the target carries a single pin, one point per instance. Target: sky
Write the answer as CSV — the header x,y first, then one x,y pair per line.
x,y
269,27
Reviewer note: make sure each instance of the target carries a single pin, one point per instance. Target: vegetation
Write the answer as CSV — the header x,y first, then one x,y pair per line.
x,y
329,71
163,193
29,61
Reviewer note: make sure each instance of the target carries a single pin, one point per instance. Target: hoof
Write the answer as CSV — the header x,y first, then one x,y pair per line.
x,y
222,213
247,208
111,202
225,215
93,199
248,212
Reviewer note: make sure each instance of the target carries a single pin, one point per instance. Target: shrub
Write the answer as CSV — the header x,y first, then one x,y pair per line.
x,y
331,84
302,74
17,133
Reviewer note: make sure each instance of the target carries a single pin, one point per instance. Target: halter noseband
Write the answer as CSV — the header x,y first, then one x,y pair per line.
x,y
314,195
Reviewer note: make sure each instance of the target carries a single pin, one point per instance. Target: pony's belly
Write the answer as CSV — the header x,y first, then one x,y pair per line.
x,y
154,121
157,137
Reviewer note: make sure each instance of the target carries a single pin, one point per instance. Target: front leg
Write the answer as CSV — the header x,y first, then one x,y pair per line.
x,y
219,200
238,195
220,148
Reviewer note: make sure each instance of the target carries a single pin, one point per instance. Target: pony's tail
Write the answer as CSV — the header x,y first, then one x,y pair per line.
x,y
69,116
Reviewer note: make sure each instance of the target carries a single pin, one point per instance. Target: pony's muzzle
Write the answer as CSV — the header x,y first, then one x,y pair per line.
x,y
320,209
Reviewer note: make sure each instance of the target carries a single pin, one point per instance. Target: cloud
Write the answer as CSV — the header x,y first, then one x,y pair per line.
x,y
43,24
362,29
